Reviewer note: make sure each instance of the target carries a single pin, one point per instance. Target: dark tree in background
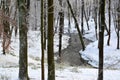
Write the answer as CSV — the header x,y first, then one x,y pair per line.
x,y
118,24
6,31
61,26
109,14
45,23
101,38
95,16
23,27
82,16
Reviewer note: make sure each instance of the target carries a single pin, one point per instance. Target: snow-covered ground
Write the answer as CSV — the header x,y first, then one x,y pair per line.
x,y
9,63
9,66
68,73
111,54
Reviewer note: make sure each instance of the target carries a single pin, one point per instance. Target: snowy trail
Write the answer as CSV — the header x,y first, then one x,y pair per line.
x,y
70,55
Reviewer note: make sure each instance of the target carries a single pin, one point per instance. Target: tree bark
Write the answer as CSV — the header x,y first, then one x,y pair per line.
x,y
45,23
109,14
23,61
69,22
51,66
101,39
42,40
118,22
82,17
86,20
6,31
95,16
61,26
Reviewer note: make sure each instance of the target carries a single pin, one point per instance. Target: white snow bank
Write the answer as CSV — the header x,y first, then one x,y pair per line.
x,y
111,54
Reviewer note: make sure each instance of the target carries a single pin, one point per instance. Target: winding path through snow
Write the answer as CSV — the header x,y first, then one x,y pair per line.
x,y
70,55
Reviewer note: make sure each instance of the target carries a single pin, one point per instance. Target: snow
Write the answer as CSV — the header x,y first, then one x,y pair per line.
x,y
9,66
64,74
9,63
111,54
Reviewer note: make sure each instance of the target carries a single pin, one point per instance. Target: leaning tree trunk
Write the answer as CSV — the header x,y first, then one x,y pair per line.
x,y
23,27
101,39
77,26
51,66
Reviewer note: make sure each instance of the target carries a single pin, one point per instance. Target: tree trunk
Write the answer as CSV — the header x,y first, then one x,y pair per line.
x,y
118,22
45,23
42,40
109,14
101,39
35,15
77,26
23,62
118,39
69,22
95,16
51,66
6,32
86,20
82,17
61,26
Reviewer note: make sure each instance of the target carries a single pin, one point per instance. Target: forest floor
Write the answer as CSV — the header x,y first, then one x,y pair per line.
x,y
70,56
71,67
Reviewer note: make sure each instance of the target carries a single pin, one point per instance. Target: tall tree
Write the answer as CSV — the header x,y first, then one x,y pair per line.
x,y
45,23
35,24
109,14
86,18
6,31
118,23
51,66
82,16
42,40
61,26
69,21
95,16
101,38
23,27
